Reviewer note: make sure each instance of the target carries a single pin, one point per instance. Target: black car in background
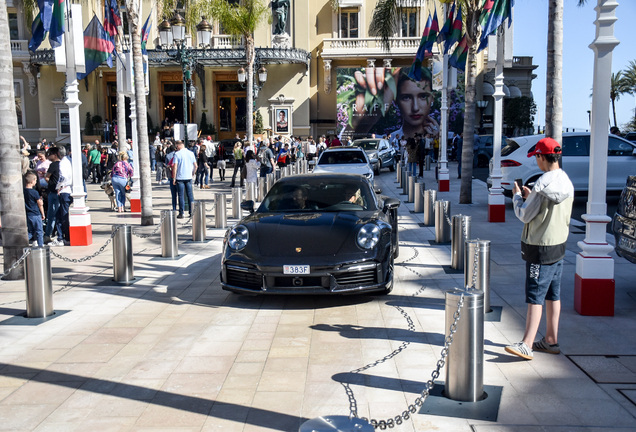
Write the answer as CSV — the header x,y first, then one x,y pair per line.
x,y
227,145
624,222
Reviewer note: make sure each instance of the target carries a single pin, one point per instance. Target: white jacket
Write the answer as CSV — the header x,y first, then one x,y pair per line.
x,y
66,176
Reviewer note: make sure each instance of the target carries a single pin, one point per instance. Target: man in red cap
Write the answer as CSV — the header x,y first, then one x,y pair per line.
x,y
546,214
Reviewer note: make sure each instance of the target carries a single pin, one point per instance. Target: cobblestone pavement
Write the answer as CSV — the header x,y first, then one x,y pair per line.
x,y
174,352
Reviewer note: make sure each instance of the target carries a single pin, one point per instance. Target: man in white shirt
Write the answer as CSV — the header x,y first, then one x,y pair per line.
x,y
185,166
63,190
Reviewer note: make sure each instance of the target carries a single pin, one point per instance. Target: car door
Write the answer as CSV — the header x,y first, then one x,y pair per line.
x,y
620,162
576,160
383,153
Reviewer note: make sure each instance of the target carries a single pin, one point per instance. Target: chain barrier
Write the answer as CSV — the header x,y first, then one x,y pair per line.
x,y
474,278
17,263
448,221
419,401
89,257
145,236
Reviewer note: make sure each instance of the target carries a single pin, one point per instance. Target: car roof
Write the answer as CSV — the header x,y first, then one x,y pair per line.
x,y
342,148
323,176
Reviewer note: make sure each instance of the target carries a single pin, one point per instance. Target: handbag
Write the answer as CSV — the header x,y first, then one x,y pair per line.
x,y
129,184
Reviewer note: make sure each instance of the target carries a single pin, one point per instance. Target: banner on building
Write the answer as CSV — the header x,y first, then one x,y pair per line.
x,y
384,101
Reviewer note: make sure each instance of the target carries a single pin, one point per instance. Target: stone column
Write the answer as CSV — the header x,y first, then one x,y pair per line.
x,y
594,279
496,199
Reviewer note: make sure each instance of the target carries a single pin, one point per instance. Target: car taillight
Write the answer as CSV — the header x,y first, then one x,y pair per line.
x,y
509,163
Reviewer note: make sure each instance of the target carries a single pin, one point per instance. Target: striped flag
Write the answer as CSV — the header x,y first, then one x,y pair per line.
x,y
448,24
112,17
98,47
497,14
456,31
145,32
432,34
459,56
415,73
50,20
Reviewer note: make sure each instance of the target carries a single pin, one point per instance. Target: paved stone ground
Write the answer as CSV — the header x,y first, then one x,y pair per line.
x,y
175,352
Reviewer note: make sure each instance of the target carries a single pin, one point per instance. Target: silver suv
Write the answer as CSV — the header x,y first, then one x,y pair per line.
x,y
381,154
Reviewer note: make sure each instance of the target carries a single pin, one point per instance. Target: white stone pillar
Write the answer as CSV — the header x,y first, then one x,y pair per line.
x,y
80,229
496,199
594,279
443,174
135,193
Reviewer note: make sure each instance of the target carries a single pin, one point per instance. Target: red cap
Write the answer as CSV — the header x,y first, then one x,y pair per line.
x,y
209,137
546,146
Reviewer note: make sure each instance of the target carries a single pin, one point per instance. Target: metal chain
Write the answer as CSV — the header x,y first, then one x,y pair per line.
x,y
17,263
474,281
448,221
419,401
90,257
145,236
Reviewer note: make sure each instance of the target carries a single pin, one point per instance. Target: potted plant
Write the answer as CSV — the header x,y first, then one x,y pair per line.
x,y
89,134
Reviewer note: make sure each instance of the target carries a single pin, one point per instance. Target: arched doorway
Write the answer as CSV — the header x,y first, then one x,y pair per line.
x,y
231,106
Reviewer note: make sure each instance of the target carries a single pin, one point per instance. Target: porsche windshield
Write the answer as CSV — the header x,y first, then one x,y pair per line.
x,y
367,144
342,157
319,195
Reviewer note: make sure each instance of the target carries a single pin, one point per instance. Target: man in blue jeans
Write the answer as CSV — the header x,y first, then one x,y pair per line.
x,y
266,158
64,191
185,166
546,214
52,176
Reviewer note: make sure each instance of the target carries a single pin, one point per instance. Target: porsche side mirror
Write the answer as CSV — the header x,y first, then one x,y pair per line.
x,y
248,206
634,152
391,203
378,191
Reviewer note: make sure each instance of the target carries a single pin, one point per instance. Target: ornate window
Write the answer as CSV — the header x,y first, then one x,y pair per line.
x,y
19,108
349,23
409,23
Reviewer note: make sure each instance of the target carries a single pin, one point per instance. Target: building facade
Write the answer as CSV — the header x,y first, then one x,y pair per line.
x,y
304,52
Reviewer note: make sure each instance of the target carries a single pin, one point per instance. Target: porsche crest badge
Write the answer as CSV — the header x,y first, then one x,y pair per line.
x,y
298,250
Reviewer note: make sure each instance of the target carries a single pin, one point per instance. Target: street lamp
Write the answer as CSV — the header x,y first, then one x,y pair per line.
x,y
261,72
174,33
481,104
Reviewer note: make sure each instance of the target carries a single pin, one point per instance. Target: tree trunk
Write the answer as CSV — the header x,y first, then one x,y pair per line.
x,y
14,227
142,116
614,111
249,53
554,97
466,186
121,98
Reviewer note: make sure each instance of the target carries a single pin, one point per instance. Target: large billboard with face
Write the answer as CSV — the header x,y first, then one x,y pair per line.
x,y
385,101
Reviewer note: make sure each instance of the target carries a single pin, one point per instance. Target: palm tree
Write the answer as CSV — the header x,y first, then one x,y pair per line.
x,y
554,71
384,24
620,86
134,20
239,18
14,227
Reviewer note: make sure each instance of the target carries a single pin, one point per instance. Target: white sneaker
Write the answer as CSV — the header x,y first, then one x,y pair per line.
x,y
57,243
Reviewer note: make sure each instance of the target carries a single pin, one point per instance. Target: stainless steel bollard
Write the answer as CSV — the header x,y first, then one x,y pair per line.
x,y
305,166
405,182
282,173
250,191
220,212
459,235
399,174
465,362
482,281
269,178
38,282
418,202
169,245
427,163
199,227
404,177
277,174
429,207
237,197
123,266
412,181
262,189
442,227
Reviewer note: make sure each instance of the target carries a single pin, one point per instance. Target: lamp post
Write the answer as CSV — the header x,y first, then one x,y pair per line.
x,y
481,105
173,33
262,77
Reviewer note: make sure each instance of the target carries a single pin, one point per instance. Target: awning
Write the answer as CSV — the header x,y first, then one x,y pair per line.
x,y
514,91
487,89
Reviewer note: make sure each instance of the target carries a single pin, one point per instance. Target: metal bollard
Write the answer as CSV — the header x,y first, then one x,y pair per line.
x,y
250,192
459,235
405,183
305,166
442,227
38,282
220,212
123,266
277,174
429,207
262,189
399,174
404,177
282,173
427,163
412,181
482,281
169,245
465,362
237,197
199,227
418,201
269,179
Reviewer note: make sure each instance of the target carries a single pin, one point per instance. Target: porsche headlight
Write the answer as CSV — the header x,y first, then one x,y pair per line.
x,y
368,236
374,156
368,175
238,238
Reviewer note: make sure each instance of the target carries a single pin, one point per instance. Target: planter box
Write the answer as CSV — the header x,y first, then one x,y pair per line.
x,y
91,138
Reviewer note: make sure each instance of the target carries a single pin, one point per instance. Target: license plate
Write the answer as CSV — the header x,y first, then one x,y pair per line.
x,y
627,244
296,269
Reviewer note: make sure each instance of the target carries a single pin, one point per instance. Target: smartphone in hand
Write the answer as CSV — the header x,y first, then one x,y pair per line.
x,y
519,184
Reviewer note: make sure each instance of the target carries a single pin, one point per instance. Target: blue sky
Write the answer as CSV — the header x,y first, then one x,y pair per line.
x,y
530,31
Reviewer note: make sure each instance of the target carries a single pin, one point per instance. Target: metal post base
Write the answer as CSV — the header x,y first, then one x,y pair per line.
x,y
336,424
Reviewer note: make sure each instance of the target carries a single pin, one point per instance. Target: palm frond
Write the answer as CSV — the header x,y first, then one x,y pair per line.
x,y
30,9
385,21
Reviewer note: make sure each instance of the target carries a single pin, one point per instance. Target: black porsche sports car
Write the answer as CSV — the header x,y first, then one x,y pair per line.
x,y
314,234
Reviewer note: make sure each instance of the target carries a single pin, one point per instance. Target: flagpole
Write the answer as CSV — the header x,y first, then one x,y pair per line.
x,y
443,175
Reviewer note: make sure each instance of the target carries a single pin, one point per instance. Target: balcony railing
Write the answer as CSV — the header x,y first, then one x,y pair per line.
x,y
226,41
364,47
20,49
